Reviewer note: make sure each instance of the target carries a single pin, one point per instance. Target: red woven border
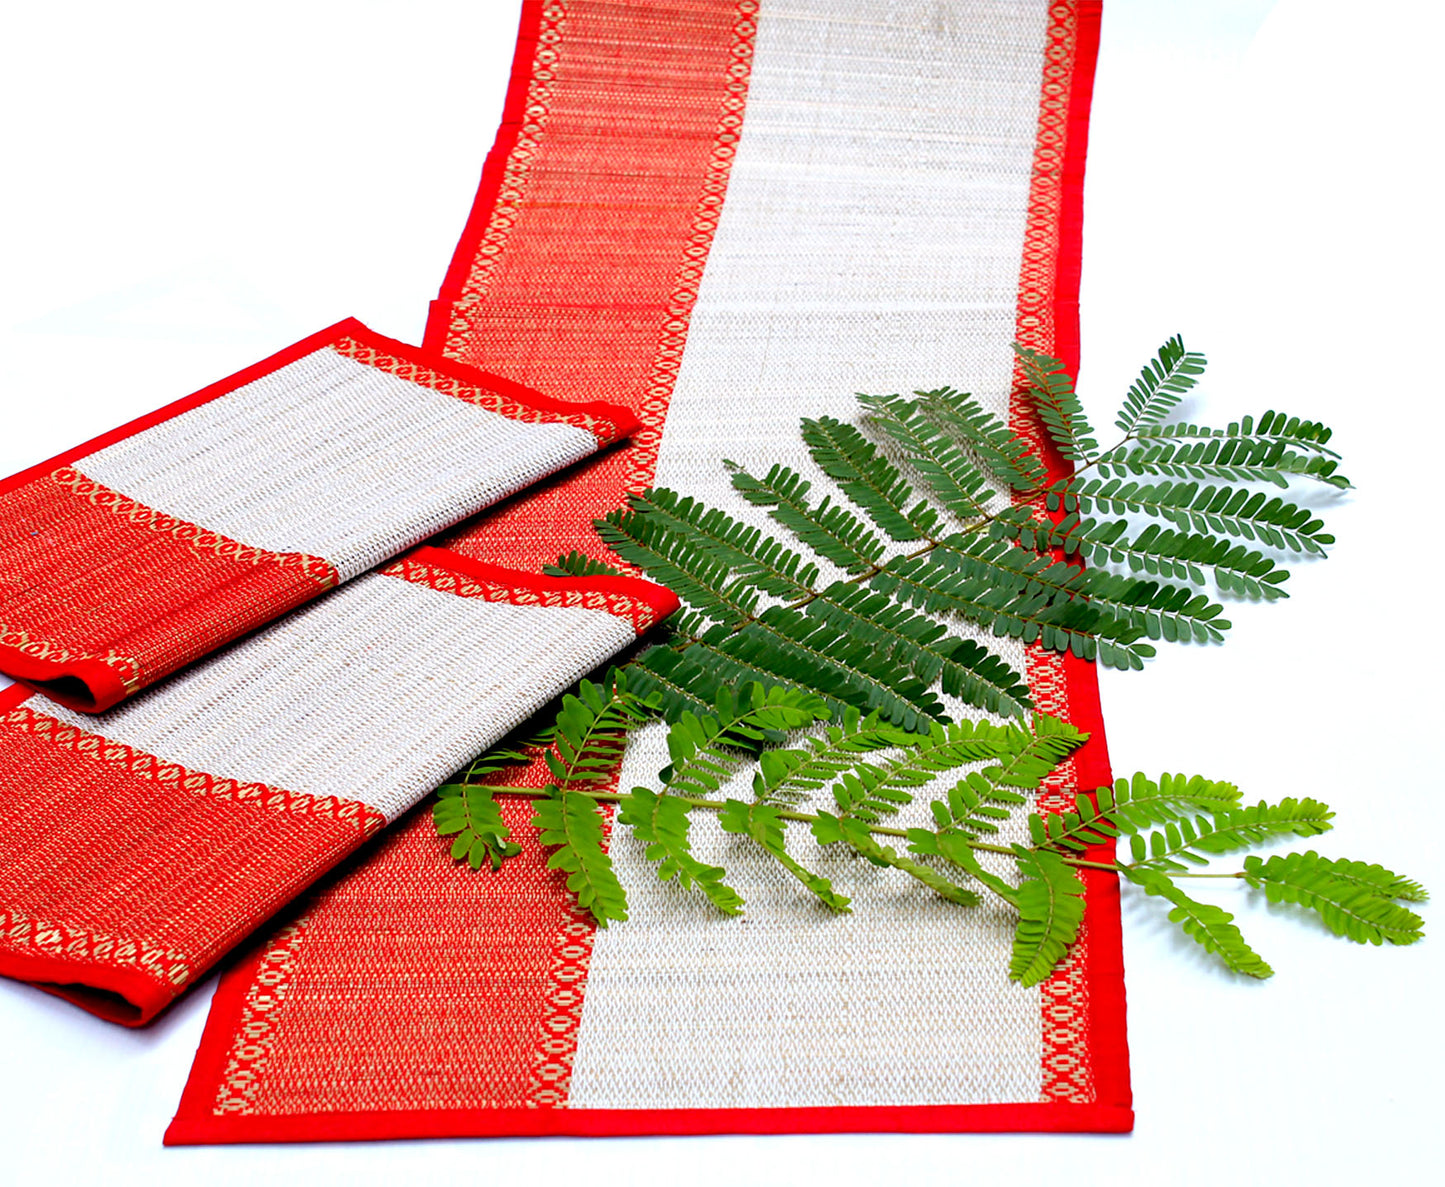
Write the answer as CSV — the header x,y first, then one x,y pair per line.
x,y
1105,968
1110,1113
514,108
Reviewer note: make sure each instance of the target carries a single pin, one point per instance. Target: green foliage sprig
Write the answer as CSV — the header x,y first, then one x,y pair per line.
x,y
828,692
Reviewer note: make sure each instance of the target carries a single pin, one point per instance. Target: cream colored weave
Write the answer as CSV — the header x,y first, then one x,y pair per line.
x,y
871,241
376,692
332,458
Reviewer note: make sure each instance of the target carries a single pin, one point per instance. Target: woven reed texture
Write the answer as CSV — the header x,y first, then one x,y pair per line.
x,y
334,458
893,166
175,824
153,550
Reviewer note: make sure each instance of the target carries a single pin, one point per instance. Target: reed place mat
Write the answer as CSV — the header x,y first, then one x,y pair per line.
x,y
722,215
141,551
140,845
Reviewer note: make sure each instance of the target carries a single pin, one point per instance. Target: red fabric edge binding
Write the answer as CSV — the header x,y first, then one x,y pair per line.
x,y
519,1122
115,995
659,597
101,680
514,108
624,420
194,1125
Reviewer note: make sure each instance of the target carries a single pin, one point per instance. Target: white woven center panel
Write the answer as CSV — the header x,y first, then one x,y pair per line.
x,y
870,241
376,692
333,458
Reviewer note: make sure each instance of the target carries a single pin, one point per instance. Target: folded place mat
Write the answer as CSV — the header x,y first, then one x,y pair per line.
x,y
139,552
140,845
724,216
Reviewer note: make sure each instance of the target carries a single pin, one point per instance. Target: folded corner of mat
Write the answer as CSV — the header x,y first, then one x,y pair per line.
x,y
138,846
143,550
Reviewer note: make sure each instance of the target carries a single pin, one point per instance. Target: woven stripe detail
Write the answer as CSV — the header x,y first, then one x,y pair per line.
x,y
556,1048
148,766
640,613
127,667
1067,1067
606,431
21,933
616,330
317,568
256,1030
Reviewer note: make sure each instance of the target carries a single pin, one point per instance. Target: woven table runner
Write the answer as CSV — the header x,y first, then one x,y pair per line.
x,y
140,845
722,215
145,549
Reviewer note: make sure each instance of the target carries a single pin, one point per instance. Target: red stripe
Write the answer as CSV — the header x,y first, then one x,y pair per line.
x,y
176,867
606,211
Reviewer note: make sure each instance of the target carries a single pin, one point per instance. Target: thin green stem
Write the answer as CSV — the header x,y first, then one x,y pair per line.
x,y
881,830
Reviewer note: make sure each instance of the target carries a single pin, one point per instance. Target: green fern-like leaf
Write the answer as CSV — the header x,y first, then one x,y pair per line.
x,y
765,825
1007,457
1188,839
569,825
592,729
1355,900
1059,624
761,562
965,669
1050,902
675,682
790,646
1156,550
1307,435
869,479
1161,385
674,560
472,817
787,775
1052,392
579,564
661,823
1208,925
951,476
1130,807
1043,747
1233,459
1221,510
830,829
834,533
699,745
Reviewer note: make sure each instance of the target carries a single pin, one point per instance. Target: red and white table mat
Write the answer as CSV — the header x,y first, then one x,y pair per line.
x,y
722,215
143,550
139,846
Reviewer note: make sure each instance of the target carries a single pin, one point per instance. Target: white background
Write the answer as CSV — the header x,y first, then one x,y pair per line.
x,y
188,189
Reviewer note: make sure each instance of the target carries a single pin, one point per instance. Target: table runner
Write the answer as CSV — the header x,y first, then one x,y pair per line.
x,y
141,551
722,215
139,846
